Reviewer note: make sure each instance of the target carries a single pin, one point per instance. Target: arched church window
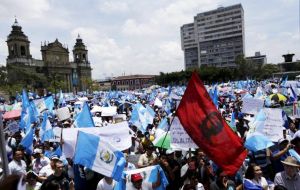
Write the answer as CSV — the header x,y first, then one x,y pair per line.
x,y
12,50
83,56
23,51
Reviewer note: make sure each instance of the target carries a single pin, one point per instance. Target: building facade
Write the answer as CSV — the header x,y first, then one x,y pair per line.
x,y
55,64
215,37
132,82
257,60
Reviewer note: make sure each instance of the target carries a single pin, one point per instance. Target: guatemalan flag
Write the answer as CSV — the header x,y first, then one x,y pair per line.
x,y
99,156
84,118
43,104
148,175
46,131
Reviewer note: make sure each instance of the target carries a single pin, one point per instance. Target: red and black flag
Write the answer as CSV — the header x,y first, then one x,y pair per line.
x,y
205,125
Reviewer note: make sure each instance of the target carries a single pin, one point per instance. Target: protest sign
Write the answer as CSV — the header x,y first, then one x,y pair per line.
x,y
252,105
13,127
119,118
97,121
108,111
63,113
179,138
117,134
272,127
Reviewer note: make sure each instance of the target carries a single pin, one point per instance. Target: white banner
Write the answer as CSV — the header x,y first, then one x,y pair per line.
x,y
273,125
108,111
252,105
116,134
179,138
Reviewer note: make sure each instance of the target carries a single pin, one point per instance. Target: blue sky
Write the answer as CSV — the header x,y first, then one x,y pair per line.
x,y
143,36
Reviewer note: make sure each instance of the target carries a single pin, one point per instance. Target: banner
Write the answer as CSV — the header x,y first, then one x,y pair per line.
x,y
179,138
252,105
108,111
117,134
13,127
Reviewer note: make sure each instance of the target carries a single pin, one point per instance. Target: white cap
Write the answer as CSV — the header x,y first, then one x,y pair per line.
x,y
169,151
37,151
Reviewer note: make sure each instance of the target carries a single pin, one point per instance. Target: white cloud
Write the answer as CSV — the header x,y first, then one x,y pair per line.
x,y
113,7
29,9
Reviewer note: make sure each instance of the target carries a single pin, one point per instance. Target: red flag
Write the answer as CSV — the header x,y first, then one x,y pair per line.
x,y
205,125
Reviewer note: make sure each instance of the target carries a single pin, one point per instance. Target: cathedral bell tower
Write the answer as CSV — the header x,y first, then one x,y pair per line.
x,y
80,53
18,46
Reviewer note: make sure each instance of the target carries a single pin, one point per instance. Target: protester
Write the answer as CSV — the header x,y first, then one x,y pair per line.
x,y
48,169
60,177
290,177
148,158
254,178
17,166
106,183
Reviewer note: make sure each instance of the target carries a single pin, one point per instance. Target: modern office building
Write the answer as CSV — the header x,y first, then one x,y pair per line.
x,y
215,38
54,67
257,60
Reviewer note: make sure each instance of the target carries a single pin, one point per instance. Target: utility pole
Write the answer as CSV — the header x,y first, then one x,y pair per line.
x,y
3,150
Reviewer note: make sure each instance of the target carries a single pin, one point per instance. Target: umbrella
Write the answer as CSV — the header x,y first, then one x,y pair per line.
x,y
277,97
257,141
12,114
163,141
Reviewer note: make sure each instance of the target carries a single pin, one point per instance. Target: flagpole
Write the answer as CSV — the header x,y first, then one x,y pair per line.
x,y
3,149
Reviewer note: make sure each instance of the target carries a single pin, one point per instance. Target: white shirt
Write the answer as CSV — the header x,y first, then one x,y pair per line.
x,y
46,171
39,163
146,160
18,168
103,185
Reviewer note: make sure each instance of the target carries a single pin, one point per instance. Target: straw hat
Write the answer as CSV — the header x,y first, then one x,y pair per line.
x,y
291,161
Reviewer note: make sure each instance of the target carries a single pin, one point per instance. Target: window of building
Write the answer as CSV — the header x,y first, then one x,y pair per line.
x,y
118,83
12,50
23,51
83,56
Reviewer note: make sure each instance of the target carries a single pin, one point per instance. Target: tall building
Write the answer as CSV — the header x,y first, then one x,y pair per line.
x,y
215,38
55,64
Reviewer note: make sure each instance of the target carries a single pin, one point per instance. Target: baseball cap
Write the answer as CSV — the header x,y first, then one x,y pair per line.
x,y
136,177
169,151
54,157
37,151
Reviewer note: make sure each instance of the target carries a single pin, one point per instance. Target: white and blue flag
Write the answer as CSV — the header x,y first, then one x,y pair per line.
x,y
84,118
46,131
99,156
27,141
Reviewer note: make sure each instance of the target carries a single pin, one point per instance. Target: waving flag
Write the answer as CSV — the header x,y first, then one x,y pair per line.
x,y
46,131
84,118
204,124
25,115
99,156
27,141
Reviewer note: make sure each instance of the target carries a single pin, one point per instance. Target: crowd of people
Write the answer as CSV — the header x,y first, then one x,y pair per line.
x,y
47,168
